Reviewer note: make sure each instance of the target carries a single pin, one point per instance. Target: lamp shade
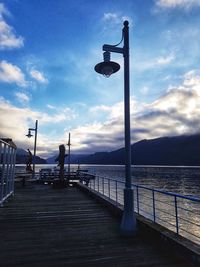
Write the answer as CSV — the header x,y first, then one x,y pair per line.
x,y
107,68
29,135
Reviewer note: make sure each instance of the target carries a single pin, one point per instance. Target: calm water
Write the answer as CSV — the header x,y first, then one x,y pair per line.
x,y
181,180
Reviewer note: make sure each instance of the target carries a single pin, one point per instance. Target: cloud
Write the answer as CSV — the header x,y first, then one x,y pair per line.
x,y
61,114
164,60
8,37
144,90
101,108
115,19
3,11
185,4
22,97
192,79
158,62
10,73
38,76
15,122
51,106
111,17
176,112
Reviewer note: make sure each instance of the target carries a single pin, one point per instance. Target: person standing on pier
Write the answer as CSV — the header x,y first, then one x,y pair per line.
x,y
29,161
61,161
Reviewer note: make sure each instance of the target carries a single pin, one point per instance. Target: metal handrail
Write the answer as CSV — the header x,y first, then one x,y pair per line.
x,y
153,205
7,170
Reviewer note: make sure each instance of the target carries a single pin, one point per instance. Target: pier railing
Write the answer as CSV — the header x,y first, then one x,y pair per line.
x,y
178,213
7,170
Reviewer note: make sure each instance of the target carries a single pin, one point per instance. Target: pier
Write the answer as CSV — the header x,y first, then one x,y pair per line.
x,y
41,226
79,223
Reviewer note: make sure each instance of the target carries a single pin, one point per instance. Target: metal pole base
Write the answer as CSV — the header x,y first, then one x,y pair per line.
x,y
128,224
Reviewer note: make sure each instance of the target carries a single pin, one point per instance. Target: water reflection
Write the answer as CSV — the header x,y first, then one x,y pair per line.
x,y
179,180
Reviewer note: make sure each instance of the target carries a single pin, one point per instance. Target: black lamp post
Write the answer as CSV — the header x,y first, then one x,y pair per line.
x,y
29,135
107,67
69,155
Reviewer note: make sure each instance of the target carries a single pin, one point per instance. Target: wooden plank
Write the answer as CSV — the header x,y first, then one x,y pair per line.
x,y
41,226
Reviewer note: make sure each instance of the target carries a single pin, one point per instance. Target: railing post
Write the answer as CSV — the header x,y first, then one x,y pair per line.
x,y
116,191
103,185
3,173
13,170
109,188
8,170
176,214
94,183
154,207
138,205
98,184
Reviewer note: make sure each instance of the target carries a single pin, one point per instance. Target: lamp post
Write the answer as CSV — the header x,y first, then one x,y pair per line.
x,y
29,135
69,151
107,67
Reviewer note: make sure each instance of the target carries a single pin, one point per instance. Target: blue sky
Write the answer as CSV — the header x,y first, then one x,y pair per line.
x,y
48,50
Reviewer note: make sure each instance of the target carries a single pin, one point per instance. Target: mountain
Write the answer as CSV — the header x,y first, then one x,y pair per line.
x,y
74,158
22,156
177,150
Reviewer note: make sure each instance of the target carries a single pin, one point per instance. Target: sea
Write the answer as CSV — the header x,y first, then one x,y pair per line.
x,y
184,180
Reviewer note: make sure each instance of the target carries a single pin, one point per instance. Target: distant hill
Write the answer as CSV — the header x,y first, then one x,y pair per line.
x,y
178,150
22,156
74,158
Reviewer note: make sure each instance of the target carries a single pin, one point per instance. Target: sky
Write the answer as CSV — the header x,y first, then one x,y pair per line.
x,y
48,50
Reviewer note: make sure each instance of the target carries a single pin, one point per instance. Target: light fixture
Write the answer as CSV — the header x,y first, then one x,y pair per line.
x,y
107,67
29,135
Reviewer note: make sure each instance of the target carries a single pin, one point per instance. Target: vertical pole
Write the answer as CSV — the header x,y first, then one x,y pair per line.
x,y
3,173
127,108
128,224
176,214
35,142
138,203
69,151
109,188
154,206
13,170
116,197
10,170
7,170
98,184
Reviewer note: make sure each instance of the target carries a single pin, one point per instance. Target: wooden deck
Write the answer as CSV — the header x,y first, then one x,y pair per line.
x,y
41,226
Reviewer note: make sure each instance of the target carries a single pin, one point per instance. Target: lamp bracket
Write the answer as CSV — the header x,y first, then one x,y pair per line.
x,y
112,48
31,129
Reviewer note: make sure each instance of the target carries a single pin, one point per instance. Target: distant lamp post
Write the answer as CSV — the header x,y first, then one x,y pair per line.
x,y
29,135
69,154
107,67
